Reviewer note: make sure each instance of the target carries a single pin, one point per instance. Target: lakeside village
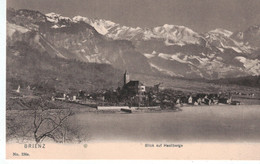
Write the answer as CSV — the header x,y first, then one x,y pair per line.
x,y
134,95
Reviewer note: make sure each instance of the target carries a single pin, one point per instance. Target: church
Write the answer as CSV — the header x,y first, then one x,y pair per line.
x,y
133,87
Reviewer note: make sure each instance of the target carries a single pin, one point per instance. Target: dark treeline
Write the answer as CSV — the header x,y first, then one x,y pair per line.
x,y
250,81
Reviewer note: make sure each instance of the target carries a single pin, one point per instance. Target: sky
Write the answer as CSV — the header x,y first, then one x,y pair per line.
x,y
199,15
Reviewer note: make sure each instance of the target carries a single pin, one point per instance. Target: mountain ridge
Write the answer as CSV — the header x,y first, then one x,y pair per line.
x,y
169,49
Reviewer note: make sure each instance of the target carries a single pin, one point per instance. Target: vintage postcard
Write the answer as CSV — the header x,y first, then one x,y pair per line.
x,y
133,79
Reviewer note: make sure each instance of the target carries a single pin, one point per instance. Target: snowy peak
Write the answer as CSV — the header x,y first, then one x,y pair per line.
x,y
223,39
102,26
55,18
170,35
52,17
173,29
176,34
79,18
220,31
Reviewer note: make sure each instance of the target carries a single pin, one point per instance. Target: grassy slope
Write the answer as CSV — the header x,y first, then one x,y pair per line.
x,y
251,81
40,70
196,86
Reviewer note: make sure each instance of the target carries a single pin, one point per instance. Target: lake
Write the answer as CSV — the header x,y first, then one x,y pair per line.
x,y
222,123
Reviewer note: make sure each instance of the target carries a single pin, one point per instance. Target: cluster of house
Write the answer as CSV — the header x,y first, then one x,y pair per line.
x,y
131,89
150,93
72,96
134,92
22,92
208,99
244,94
63,97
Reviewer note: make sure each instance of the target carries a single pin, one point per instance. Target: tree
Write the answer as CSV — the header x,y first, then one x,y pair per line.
x,y
41,119
47,122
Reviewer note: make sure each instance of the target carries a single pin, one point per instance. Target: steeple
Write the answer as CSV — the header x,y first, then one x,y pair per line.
x,y
126,78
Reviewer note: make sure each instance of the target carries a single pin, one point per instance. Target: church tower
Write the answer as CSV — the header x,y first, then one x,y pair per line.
x,y
126,78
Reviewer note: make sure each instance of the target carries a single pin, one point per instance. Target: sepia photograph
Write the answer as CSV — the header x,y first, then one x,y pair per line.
x,y
132,79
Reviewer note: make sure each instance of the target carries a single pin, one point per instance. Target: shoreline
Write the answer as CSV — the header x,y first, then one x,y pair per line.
x,y
143,110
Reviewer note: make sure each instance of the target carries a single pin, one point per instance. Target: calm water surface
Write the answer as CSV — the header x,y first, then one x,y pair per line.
x,y
206,123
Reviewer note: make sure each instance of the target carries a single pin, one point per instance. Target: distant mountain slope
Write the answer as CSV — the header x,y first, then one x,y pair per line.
x,y
28,66
215,54
72,40
169,49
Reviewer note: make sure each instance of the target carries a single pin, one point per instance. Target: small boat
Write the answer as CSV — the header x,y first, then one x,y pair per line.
x,y
126,110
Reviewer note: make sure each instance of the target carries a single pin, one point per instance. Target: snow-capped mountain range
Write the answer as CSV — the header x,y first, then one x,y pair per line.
x,y
221,39
168,49
171,34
